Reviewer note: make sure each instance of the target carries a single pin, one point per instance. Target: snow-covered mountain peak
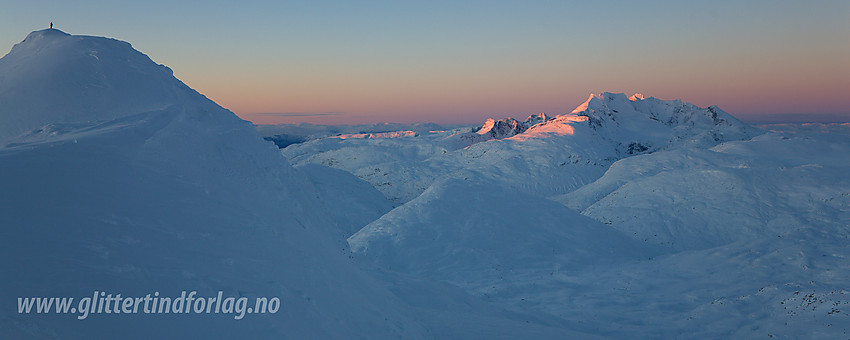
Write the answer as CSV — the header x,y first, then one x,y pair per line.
x,y
635,124
55,77
586,103
617,109
50,33
606,100
639,124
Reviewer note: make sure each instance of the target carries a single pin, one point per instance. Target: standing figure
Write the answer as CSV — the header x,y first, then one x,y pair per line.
x,y
51,24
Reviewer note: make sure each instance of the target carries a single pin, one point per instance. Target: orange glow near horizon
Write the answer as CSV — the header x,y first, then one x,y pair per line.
x,y
742,87
513,60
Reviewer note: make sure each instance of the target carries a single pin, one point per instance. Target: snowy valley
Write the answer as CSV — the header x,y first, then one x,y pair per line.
x,y
630,216
721,224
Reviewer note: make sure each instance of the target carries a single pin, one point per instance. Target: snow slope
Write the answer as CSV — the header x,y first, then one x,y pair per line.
x,y
108,77
771,185
736,233
757,232
467,233
398,167
754,239
166,191
791,287
349,201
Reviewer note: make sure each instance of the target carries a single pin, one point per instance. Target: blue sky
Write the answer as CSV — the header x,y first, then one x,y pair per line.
x,y
462,61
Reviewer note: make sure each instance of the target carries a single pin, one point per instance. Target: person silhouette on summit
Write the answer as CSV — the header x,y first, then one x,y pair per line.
x,y
51,25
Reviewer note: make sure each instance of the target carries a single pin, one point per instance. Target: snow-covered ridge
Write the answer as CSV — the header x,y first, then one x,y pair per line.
x,y
394,134
284,135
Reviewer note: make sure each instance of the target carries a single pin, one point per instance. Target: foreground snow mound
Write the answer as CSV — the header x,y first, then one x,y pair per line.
x,y
769,186
349,201
112,192
791,287
479,236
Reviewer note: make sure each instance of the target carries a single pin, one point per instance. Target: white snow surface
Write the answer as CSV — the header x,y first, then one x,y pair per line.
x,y
774,184
349,201
466,233
166,191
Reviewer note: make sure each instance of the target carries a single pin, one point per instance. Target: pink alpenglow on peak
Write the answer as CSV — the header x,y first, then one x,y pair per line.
x,y
637,124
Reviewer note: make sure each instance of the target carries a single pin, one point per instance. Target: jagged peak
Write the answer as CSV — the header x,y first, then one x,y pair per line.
x,y
501,128
507,127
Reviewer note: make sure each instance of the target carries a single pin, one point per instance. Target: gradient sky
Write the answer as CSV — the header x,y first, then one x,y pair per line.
x,y
463,61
